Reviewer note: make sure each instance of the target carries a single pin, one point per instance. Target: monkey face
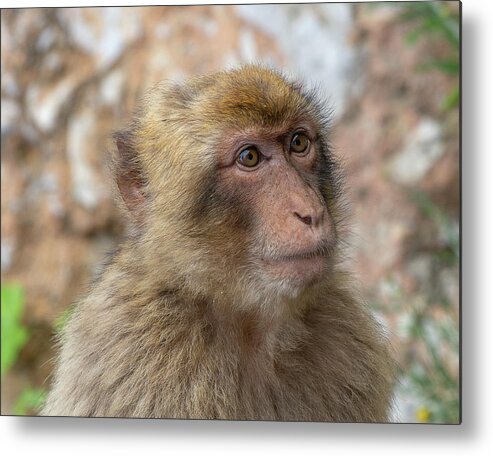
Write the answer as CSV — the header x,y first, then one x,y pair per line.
x,y
272,178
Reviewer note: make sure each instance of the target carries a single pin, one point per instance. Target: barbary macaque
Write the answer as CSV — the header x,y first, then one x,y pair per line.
x,y
227,298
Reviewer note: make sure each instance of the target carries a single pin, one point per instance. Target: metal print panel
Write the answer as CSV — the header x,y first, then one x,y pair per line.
x,y
232,212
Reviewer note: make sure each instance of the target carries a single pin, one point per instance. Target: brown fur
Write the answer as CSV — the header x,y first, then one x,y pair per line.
x,y
183,322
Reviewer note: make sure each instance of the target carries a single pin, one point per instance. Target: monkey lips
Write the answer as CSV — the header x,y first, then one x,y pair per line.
x,y
300,268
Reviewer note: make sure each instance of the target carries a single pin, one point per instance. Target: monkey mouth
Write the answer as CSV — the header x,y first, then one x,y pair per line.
x,y
307,255
322,250
302,266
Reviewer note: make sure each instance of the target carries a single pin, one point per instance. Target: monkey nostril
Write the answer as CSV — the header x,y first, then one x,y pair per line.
x,y
307,220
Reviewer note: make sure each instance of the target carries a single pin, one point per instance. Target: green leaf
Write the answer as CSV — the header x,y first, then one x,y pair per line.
x,y
14,334
432,17
448,26
30,401
448,66
413,36
451,100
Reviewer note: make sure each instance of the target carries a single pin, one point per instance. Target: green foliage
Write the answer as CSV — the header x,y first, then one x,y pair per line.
x,y
432,378
434,375
448,231
29,402
14,333
448,66
14,337
432,18
451,100
428,325
439,20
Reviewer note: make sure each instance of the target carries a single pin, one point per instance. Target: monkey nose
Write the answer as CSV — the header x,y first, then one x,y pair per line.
x,y
306,219
313,219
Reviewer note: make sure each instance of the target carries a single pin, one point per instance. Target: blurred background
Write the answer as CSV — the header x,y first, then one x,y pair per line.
x,y
69,77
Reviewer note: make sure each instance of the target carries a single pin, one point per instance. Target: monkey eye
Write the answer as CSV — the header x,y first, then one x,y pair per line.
x,y
299,143
249,157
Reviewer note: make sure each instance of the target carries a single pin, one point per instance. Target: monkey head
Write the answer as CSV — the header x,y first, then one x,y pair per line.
x,y
230,185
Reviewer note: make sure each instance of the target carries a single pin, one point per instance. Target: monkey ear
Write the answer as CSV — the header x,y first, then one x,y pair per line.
x,y
129,175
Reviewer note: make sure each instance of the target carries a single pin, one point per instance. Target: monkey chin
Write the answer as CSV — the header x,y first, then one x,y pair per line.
x,y
294,274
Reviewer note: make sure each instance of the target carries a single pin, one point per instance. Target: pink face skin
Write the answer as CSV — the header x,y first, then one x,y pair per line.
x,y
275,176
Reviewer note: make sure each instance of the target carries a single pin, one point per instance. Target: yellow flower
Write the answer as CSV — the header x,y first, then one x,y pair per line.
x,y
423,414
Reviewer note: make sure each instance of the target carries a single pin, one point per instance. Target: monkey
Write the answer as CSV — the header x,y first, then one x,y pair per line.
x,y
228,298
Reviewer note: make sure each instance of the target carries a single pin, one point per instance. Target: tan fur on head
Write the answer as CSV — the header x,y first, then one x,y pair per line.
x,y
226,300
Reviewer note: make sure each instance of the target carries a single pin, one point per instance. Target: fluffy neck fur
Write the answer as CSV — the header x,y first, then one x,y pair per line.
x,y
154,352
